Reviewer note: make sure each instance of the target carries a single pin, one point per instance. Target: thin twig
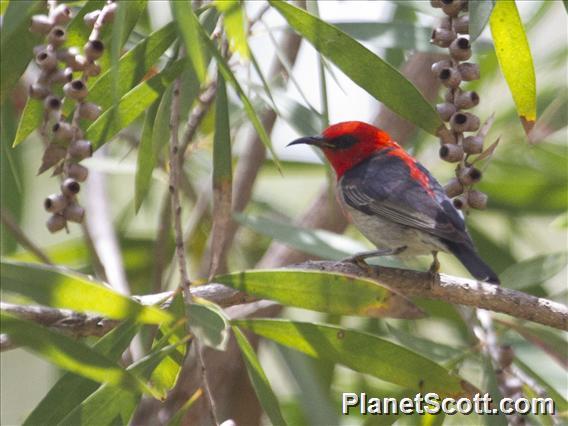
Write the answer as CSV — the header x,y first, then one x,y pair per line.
x,y
12,226
161,242
205,381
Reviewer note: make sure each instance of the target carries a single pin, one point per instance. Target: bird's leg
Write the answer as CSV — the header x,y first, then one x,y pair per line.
x,y
435,266
359,258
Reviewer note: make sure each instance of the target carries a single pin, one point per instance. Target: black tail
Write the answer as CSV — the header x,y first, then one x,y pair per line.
x,y
471,260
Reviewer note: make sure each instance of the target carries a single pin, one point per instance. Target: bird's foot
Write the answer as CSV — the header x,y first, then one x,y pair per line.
x,y
434,267
359,259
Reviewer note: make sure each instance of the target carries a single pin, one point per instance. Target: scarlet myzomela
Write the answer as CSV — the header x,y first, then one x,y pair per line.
x,y
393,200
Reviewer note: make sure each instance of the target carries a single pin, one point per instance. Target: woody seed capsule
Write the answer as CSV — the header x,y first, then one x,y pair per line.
x,y
52,103
451,153
62,131
460,49
61,76
437,67
78,172
446,110
436,3
61,14
473,145
466,100
39,90
464,122
55,203
110,11
70,187
452,7
46,60
461,24
446,136
74,213
453,188
91,17
55,223
92,69
460,202
81,149
441,37
94,49
469,175
450,77
89,111
75,89
41,24
477,199
469,71
57,36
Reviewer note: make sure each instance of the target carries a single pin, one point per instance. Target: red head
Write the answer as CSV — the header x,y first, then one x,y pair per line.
x,y
347,144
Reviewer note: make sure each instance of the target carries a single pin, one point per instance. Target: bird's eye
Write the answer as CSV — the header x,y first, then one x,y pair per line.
x,y
343,141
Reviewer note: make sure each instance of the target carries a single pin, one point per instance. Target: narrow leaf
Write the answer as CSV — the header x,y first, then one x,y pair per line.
x,y
259,381
60,288
71,389
322,291
189,29
177,419
365,68
208,323
534,271
235,25
362,352
68,354
222,176
479,13
31,119
515,59
145,161
132,105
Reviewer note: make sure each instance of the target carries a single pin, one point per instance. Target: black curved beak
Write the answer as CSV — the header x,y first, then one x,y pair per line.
x,y
309,140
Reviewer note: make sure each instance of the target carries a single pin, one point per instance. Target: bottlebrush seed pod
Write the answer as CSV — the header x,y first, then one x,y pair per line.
x,y
92,69
460,49
461,24
473,145
442,38
41,24
46,60
39,48
469,175
469,71
61,14
446,136
61,76
94,49
39,90
452,153
51,103
110,12
453,188
449,96
460,202
437,67
66,54
452,7
57,36
70,187
74,213
446,110
78,172
464,122
466,100
477,199
55,203
91,17
81,149
445,23
89,111
450,77
56,223
436,3
76,89
62,131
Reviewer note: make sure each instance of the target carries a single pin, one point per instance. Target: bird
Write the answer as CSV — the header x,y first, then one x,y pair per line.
x,y
393,200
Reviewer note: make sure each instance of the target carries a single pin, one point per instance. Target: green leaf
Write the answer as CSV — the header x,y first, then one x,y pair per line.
x,y
189,28
320,291
317,242
132,104
77,31
234,22
177,419
113,405
60,288
69,354
31,119
366,69
146,160
209,324
71,389
17,42
479,13
364,353
515,59
534,271
259,381
230,77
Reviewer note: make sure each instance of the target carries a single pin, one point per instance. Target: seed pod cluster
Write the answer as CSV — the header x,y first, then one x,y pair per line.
x,y
456,147
66,70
